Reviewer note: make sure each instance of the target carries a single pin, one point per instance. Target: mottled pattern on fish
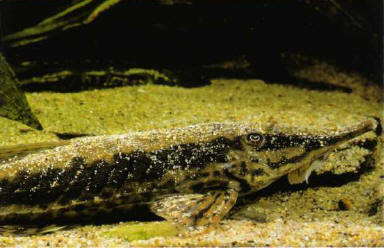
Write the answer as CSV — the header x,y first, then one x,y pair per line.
x,y
191,175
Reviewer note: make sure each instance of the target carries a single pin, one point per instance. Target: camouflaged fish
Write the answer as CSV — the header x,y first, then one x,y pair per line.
x,y
191,175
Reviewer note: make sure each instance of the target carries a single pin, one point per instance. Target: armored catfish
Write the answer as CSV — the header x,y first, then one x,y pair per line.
x,y
191,175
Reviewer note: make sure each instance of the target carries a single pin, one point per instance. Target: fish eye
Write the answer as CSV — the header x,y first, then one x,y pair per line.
x,y
255,139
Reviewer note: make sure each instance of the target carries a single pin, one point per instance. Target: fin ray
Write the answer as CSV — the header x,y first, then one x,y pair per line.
x,y
302,174
194,210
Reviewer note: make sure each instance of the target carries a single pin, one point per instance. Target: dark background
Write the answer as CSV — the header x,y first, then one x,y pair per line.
x,y
186,36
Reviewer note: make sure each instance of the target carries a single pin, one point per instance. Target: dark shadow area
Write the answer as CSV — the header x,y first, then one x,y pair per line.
x,y
187,39
68,136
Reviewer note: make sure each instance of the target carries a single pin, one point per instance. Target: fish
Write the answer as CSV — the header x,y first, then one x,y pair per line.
x,y
191,176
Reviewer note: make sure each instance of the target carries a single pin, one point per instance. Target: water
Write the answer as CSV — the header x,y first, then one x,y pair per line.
x,y
279,67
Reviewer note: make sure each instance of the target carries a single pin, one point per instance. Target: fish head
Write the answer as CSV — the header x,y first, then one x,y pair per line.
x,y
264,157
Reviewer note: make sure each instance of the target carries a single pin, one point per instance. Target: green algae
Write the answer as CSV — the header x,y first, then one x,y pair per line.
x,y
141,231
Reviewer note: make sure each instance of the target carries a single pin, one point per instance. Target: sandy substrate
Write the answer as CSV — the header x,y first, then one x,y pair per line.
x,y
345,214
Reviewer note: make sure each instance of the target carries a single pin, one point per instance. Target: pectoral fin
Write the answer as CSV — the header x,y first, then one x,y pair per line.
x,y
195,210
302,174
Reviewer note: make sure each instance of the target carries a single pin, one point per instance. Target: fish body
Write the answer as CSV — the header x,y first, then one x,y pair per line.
x,y
191,175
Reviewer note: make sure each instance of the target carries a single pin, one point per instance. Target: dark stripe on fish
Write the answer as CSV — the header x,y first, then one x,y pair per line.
x,y
277,142
82,181
283,161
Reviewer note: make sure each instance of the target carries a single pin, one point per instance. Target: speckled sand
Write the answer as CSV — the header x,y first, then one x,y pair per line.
x,y
307,217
